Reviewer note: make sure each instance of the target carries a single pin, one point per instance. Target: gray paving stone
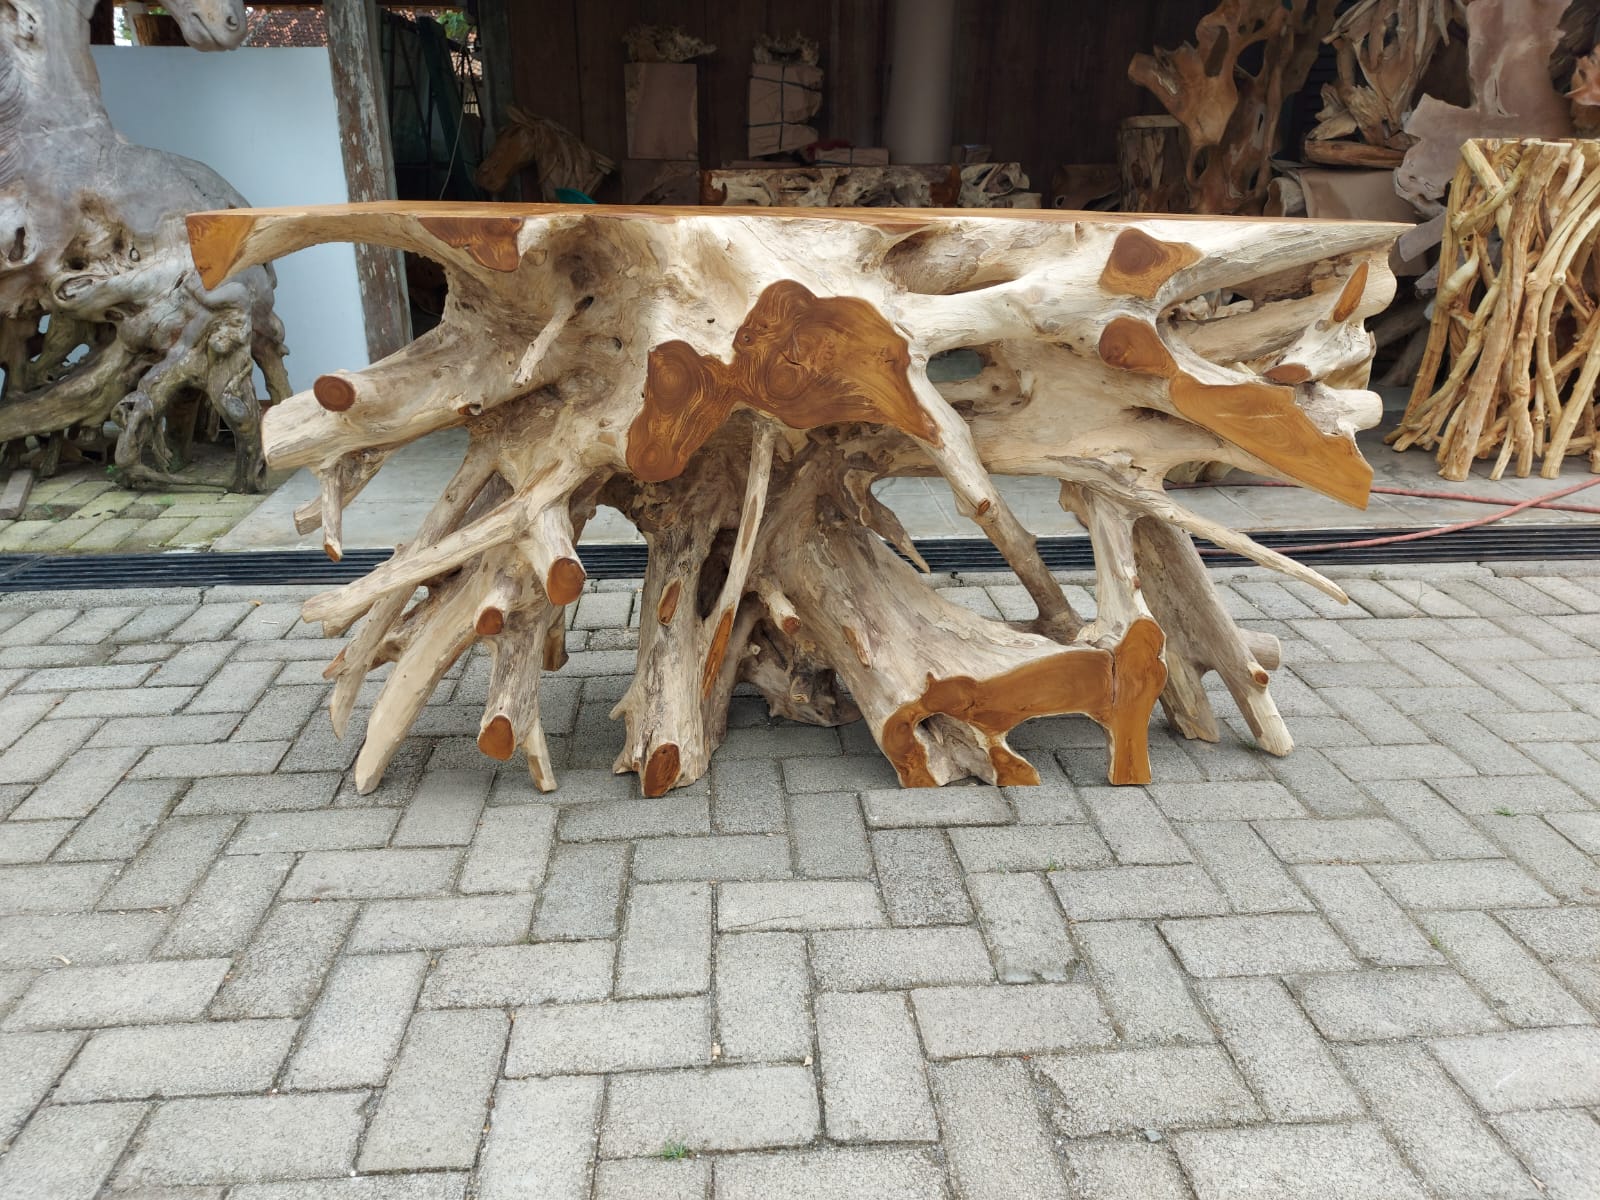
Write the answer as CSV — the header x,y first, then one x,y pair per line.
x,y
734,856
67,679
996,1146
919,877
81,997
797,905
1115,1170
727,1108
53,887
900,808
282,968
1321,786
874,1086
1272,945
829,836
1399,762
1236,801
1133,892
122,822
1550,858
1030,848
73,788
1243,867
322,829
1432,820
1053,802
1485,884
1133,827
371,874
621,1035
513,976
219,917
833,1174
1158,1088
1278,1050
282,712
246,1139
235,688
1520,990
287,792
1140,982
1562,1149
1432,1123
1482,795
1527,1068
582,892
510,850
858,960
217,758
843,773
747,796
433,1110
1309,1162
187,729
194,1059
1354,839
1374,925
1024,928
33,1063
67,1151
172,862
1581,829
82,939
665,948
636,818
541,1140
762,991
351,1037
1558,933
391,925
195,662
1379,1005
444,811
1033,1018
661,1179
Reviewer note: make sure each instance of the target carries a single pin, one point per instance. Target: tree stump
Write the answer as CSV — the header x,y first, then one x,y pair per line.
x,y
736,380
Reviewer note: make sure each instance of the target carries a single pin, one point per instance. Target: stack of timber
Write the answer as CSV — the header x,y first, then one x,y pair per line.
x,y
736,382
1516,314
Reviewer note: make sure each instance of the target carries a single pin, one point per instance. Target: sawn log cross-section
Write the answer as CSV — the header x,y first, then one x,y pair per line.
x,y
735,381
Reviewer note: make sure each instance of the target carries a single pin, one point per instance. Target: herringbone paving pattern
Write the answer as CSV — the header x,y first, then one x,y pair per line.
x,y
1371,969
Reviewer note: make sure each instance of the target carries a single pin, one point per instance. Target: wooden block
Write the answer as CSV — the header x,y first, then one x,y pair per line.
x,y
14,497
663,110
782,98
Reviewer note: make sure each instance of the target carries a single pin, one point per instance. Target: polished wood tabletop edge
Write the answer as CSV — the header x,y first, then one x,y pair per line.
x,y
881,216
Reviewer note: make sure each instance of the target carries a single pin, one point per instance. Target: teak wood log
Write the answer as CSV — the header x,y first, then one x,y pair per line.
x,y
1519,286
735,380
1230,114
94,244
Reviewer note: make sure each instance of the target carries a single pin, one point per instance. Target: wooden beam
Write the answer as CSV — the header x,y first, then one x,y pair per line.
x,y
14,498
368,166
494,35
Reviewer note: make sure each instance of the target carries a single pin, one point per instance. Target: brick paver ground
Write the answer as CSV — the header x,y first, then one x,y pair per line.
x,y
1371,969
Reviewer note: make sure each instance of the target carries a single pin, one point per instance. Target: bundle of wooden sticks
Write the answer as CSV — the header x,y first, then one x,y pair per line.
x,y
1516,311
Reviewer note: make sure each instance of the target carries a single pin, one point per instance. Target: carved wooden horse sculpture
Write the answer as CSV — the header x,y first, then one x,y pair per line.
x,y
562,159
93,239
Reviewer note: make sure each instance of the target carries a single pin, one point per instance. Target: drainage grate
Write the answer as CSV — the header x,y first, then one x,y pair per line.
x,y
65,572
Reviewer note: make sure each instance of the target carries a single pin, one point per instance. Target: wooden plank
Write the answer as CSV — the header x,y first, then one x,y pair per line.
x,y
857,44
14,498
368,167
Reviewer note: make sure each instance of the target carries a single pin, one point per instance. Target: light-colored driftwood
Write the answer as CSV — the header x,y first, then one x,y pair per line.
x,y
1509,43
1515,315
1384,48
735,382
1229,114
973,185
94,244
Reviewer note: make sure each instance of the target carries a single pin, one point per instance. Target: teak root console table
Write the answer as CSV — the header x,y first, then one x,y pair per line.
x,y
735,381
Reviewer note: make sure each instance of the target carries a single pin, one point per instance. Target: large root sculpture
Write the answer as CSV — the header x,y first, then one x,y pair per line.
x,y
735,383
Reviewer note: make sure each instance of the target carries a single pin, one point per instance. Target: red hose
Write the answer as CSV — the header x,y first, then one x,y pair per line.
x,y
1418,535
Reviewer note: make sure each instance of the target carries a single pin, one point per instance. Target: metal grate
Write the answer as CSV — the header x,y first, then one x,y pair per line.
x,y
65,572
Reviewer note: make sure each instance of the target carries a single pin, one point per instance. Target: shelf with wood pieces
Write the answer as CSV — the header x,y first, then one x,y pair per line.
x,y
736,380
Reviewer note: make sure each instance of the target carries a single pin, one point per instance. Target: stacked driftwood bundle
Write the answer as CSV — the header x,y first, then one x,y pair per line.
x,y
735,382
1516,313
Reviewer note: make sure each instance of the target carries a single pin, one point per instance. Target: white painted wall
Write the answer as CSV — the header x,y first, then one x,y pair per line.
x,y
263,119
